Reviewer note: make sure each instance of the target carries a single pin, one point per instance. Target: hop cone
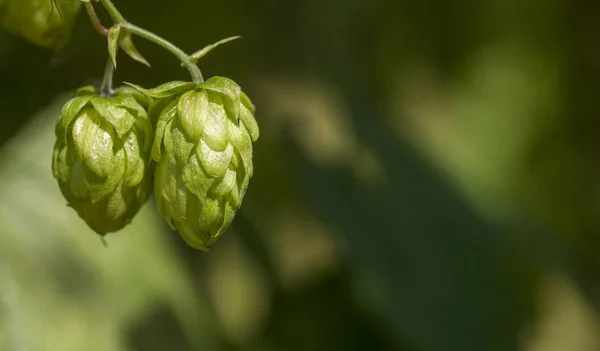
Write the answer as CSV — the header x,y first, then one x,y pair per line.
x,y
101,156
43,22
203,154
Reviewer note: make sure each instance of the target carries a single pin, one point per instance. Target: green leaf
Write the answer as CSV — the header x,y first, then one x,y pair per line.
x,y
93,142
141,98
245,155
230,211
69,111
215,129
171,194
246,102
177,146
225,185
111,111
165,184
192,109
113,43
229,93
101,187
145,133
238,135
134,172
167,113
211,216
127,45
235,197
165,90
86,90
195,178
189,228
60,168
77,184
116,204
227,89
214,162
202,52
131,104
249,122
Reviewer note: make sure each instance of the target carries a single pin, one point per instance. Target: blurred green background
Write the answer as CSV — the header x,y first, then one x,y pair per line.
x,y
427,178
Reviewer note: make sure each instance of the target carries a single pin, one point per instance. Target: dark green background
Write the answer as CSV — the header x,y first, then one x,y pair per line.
x,y
441,250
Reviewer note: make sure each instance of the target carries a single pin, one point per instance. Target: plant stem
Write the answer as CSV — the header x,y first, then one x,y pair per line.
x,y
180,54
106,88
112,11
185,59
95,20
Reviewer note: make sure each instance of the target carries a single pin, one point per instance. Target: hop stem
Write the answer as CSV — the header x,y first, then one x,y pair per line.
x,y
94,19
180,54
118,18
112,11
106,89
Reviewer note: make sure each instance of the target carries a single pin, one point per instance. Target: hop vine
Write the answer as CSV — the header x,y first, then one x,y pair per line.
x,y
190,143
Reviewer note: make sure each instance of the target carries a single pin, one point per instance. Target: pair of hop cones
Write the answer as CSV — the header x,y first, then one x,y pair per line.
x,y
190,143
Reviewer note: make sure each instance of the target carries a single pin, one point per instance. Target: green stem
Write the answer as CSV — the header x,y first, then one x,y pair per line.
x,y
106,89
95,20
180,54
112,11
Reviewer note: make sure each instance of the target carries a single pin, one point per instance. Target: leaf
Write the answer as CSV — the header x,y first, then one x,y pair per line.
x,y
225,184
165,90
141,98
86,90
69,111
127,45
214,162
195,178
225,87
112,111
134,173
250,123
177,146
246,102
229,92
215,128
113,43
204,51
166,115
93,142
192,110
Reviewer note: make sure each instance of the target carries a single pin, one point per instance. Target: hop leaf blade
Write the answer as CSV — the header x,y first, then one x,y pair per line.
x,y
165,90
204,51
129,48
113,43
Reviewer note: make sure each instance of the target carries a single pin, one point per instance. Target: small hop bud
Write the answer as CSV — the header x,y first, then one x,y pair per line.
x,y
101,156
46,23
203,154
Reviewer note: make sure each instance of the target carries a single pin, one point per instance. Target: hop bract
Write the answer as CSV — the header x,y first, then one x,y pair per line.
x,y
203,154
102,156
43,22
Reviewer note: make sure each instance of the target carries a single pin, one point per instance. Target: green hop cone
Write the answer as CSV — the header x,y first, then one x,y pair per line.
x,y
101,156
203,154
45,23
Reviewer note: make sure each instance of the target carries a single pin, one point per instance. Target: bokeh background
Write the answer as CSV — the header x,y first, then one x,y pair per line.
x,y
427,178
